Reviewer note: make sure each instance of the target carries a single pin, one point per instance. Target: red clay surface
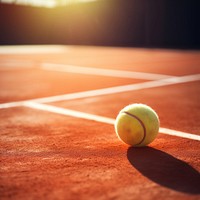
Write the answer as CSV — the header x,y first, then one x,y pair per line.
x,y
46,156
49,156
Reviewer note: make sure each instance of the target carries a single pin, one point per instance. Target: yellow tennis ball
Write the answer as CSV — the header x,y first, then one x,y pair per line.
x,y
137,125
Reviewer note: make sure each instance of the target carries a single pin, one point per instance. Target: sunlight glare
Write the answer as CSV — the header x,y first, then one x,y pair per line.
x,y
46,3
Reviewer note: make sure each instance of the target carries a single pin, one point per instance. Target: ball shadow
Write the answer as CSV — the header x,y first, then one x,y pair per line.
x,y
165,169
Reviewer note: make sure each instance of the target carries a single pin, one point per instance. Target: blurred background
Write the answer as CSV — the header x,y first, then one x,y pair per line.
x,y
129,23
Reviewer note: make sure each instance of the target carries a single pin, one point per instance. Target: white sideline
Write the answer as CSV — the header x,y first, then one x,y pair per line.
x,y
97,118
102,72
108,91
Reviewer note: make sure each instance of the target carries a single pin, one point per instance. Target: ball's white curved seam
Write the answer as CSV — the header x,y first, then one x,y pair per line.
x,y
141,123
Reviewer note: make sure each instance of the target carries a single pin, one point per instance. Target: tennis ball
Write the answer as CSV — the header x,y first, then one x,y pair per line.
x,y
137,125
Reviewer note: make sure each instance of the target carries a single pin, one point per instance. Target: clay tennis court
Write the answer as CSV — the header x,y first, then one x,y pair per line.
x,y
58,107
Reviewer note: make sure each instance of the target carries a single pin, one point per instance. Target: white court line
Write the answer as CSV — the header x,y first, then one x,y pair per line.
x,y
179,134
102,72
33,49
12,104
108,91
97,118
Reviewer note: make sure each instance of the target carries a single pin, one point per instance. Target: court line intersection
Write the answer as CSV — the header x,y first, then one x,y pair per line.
x,y
157,80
